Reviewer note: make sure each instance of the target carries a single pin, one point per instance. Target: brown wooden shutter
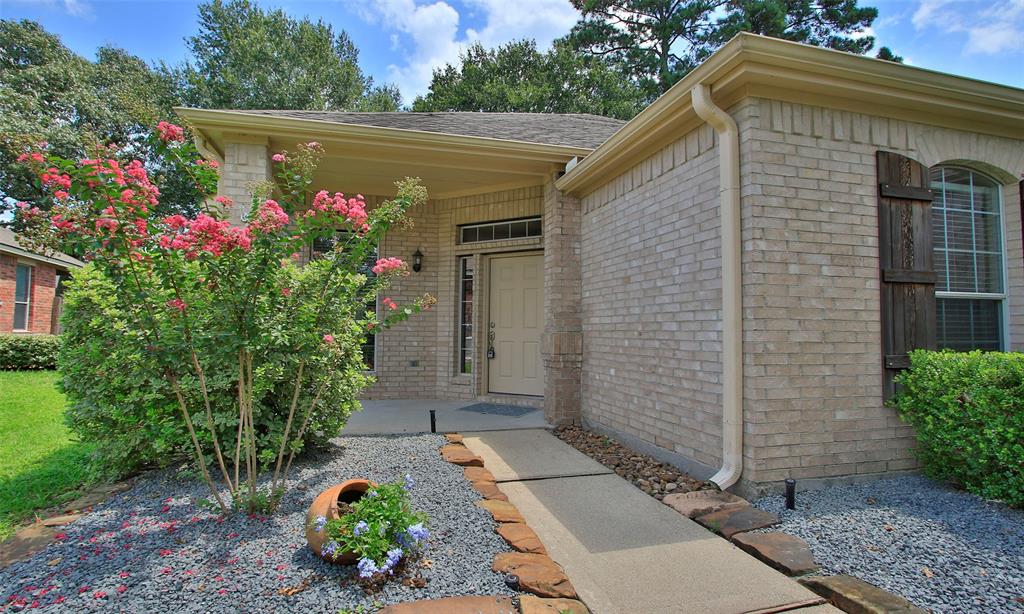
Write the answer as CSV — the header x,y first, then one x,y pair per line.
x,y
905,257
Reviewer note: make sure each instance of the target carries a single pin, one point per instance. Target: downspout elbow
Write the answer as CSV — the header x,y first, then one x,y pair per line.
x,y
732,308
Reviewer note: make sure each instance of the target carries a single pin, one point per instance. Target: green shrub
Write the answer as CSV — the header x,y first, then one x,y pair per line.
x,y
968,410
117,399
24,352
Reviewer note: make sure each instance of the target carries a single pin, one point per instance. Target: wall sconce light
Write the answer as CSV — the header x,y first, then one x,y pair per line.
x,y
417,261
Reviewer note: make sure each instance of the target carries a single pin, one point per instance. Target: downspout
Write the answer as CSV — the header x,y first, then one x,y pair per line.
x,y
732,308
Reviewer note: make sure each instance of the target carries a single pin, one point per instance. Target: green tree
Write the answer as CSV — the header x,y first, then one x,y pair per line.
x,y
246,58
49,93
516,77
663,40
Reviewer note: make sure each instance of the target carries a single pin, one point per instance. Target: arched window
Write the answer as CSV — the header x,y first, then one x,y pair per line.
x,y
969,260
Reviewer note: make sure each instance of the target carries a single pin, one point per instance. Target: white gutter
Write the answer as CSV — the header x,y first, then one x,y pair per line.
x,y
732,307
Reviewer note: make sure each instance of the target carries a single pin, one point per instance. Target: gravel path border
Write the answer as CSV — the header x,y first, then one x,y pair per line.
x,y
151,549
941,548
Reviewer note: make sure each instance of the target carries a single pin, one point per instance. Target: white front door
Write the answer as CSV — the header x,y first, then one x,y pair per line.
x,y
516,325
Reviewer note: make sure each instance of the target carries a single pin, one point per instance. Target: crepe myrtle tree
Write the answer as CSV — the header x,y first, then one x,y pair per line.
x,y
210,301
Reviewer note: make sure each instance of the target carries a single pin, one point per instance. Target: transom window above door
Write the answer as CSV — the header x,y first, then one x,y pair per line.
x,y
967,229
501,231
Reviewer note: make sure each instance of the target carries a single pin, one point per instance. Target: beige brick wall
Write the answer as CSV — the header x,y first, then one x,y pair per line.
x,y
812,382
244,164
811,292
651,301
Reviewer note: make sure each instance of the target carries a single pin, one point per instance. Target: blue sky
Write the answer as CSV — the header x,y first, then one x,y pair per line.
x,y
401,41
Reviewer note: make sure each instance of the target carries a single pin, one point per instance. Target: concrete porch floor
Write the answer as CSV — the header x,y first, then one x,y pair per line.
x,y
413,416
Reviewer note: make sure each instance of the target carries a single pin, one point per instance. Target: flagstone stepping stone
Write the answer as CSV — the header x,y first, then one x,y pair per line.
x,y
483,604
521,537
477,474
453,437
459,454
787,553
855,596
537,574
730,521
25,543
528,604
502,511
489,490
59,521
701,502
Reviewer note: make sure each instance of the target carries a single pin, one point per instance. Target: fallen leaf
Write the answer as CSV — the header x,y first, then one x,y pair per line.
x,y
871,501
928,573
889,528
54,562
982,572
426,563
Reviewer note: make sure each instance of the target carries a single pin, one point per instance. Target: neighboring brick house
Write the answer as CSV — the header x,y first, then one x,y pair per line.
x,y
30,287
728,281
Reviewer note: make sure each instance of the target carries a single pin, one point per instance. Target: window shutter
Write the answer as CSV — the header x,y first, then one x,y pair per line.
x,y
905,258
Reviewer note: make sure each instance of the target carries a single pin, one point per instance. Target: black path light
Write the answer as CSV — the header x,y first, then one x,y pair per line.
x,y
790,494
417,261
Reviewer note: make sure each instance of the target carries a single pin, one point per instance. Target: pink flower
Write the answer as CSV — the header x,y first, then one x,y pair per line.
x,y
224,200
278,157
286,291
387,265
390,304
313,145
175,222
180,305
268,218
329,339
170,133
61,195
100,595
121,589
106,223
60,536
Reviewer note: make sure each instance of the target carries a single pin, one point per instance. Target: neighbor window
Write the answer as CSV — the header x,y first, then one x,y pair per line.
x,y
22,296
501,231
318,249
970,290
466,314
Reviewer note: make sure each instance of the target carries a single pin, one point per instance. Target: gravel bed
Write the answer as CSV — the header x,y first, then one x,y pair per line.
x,y
151,549
650,475
941,548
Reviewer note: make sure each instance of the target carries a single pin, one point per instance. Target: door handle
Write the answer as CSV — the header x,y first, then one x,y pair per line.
x,y
490,342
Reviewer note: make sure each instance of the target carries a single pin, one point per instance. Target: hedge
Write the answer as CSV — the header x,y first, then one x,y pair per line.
x,y
968,411
19,352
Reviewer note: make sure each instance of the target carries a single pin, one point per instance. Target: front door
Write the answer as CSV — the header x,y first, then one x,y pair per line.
x,y
516,325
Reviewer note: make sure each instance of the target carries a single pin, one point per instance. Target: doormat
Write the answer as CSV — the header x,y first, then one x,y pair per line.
x,y
494,409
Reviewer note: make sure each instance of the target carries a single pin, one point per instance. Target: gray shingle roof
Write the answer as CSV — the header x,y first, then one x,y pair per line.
x,y
572,129
9,244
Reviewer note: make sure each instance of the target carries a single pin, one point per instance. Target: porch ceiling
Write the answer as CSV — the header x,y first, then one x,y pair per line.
x,y
369,159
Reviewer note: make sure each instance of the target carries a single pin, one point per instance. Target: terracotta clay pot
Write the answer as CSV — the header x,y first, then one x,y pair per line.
x,y
326,504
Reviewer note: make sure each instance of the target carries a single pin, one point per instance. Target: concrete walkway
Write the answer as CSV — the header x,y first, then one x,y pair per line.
x,y
624,551
413,416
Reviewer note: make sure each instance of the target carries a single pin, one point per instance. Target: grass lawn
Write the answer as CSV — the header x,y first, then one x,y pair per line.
x,y
40,464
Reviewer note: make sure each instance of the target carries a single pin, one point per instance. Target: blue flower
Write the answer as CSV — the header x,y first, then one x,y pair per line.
x,y
367,567
360,528
319,524
372,493
394,555
329,549
409,482
418,533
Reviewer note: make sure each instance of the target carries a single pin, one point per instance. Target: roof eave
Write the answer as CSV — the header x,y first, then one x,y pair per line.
x,y
751,65
206,120
24,253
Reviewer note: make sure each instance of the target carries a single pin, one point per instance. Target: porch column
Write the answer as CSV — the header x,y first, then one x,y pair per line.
x,y
563,323
246,161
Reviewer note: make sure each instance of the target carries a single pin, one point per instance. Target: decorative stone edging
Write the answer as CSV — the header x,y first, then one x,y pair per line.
x,y
534,570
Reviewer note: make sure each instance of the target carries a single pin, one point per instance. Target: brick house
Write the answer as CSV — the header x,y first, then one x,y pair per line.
x,y
30,287
728,281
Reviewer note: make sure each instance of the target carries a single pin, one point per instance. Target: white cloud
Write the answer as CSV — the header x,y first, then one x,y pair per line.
x,y
990,27
427,36
75,8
